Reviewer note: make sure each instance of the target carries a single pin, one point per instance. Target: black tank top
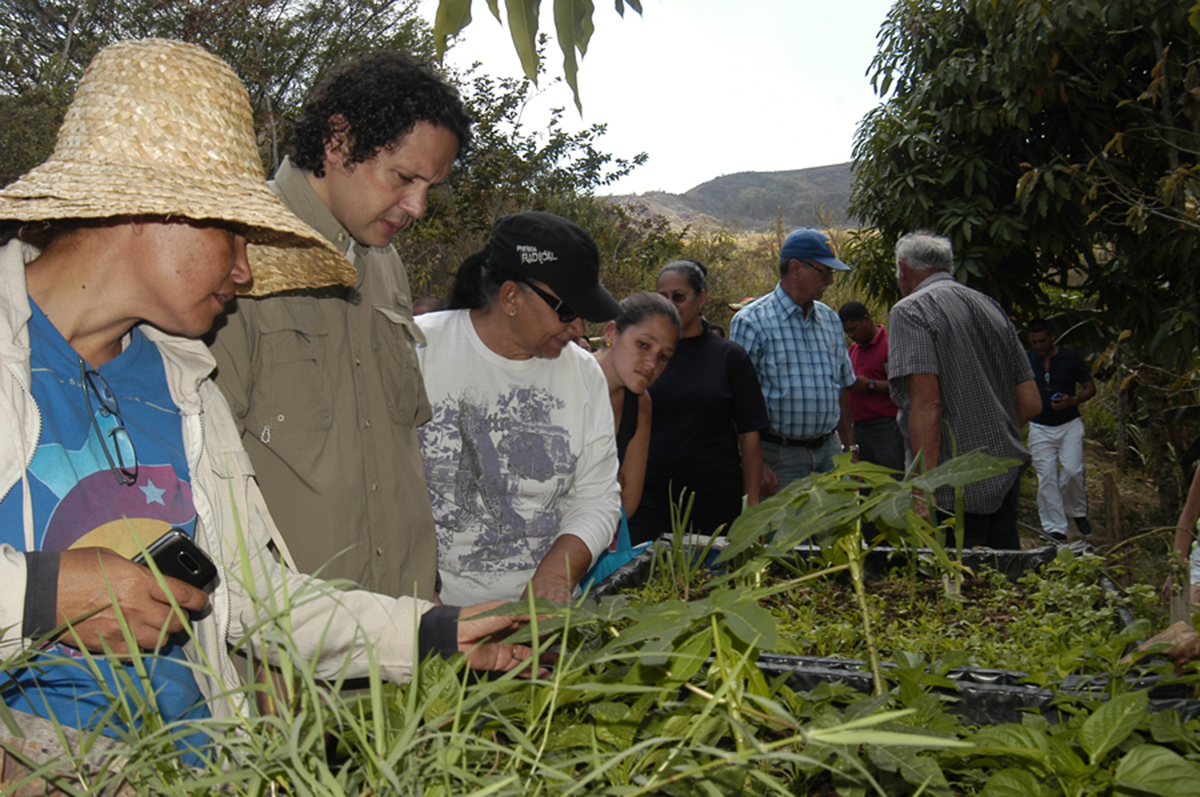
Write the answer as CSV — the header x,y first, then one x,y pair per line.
x,y
629,422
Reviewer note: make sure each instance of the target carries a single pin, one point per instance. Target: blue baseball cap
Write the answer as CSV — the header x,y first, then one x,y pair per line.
x,y
809,244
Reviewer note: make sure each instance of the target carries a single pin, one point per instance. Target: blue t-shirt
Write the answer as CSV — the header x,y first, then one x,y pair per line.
x,y
79,502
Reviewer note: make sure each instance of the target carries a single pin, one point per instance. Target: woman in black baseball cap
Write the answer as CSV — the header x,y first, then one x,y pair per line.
x,y
520,455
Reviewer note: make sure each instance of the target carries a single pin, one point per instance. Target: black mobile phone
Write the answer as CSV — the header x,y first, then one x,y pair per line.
x,y
178,556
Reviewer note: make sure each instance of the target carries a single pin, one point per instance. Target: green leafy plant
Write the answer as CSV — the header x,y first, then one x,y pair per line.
x,y
833,507
1104,751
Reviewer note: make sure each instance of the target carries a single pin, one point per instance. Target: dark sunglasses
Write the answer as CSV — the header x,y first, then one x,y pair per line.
x,y
125,466
565,313
677,297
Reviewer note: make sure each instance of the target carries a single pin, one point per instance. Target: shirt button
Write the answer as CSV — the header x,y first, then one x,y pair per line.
x,y
279,418
341,236
357,361
379,552
374,486
366,424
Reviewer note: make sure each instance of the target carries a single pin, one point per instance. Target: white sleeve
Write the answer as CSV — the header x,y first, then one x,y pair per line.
x,y
592,507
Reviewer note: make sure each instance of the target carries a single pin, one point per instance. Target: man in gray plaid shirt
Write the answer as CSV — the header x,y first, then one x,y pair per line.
x,y
962,382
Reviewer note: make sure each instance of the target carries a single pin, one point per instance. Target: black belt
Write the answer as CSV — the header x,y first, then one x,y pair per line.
x,y
806,442
875,421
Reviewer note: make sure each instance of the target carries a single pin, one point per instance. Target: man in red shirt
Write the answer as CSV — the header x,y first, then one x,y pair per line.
x,y
871,407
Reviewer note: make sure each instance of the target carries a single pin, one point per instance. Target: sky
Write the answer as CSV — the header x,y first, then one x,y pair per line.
x,y
705,87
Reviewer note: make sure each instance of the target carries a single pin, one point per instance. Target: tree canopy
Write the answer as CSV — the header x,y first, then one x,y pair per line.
x,y
277,47
280,49
1055,144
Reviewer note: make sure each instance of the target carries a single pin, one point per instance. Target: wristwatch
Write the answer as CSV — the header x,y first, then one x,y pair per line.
x,y
871,386
850,449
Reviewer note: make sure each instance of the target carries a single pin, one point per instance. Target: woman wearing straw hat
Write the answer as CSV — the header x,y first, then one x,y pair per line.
x,y
520,455
131,239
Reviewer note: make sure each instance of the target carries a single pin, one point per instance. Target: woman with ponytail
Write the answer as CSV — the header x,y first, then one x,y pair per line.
x,y
638,344
520,455
708,412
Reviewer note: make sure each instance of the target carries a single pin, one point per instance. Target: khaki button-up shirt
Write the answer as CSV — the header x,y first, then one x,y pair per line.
x,y
325,387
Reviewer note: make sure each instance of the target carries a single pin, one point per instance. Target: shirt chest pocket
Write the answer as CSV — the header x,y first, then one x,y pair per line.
x,y
292,391
394,339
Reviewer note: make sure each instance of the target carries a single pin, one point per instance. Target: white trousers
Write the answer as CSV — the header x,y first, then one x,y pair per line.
x,y
1061,493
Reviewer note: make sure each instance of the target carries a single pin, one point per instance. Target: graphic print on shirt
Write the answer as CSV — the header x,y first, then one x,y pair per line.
x,y
505,464
91,510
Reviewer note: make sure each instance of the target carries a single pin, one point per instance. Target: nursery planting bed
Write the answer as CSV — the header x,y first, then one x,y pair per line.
x,y
981,695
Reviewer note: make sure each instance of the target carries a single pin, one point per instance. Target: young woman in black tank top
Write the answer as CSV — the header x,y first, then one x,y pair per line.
x,y
637,346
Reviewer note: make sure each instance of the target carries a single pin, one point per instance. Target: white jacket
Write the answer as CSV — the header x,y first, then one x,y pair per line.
x,y
232,523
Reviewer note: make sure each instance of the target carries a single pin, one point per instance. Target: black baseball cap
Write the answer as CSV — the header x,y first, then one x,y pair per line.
x,y
559,253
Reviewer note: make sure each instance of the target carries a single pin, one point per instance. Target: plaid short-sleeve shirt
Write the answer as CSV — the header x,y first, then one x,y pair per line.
x,y
964,338
802,363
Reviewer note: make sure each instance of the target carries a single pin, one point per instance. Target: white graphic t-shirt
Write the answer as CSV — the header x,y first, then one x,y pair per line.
x,y
518,452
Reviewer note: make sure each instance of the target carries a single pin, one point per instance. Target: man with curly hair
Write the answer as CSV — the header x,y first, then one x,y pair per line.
x,y
325,384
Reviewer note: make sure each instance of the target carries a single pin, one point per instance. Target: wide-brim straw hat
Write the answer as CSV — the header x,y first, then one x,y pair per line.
x,y
163,128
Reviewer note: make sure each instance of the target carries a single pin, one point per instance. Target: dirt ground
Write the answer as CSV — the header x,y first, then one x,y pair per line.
x,y
1144,539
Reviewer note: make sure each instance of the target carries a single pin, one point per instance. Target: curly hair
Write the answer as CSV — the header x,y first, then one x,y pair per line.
x,y
376,98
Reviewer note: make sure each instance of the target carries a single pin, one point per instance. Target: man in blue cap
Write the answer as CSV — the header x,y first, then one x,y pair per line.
x,y
796,344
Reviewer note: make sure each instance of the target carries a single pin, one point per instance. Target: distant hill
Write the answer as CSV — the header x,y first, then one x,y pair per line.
x,y
753,200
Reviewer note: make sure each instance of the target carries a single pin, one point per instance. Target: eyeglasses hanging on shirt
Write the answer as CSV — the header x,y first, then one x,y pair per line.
x,y
125,465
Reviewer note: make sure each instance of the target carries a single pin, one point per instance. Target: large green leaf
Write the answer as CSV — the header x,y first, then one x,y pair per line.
x,y
1112,723
750,622
523,27
1063,758
452,16
615,723
664,621
573,24
1012,739
1012,783
892,507
821,510
689,657
577,736
756,522
1166,727
963,470
919,770
1151,770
